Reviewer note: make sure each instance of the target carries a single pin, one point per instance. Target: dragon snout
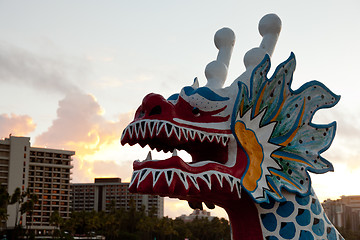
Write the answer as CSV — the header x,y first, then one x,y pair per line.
x,y
153,106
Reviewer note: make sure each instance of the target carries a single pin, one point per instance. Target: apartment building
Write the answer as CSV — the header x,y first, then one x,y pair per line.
x,y
42,171
344,212
197,213
107,193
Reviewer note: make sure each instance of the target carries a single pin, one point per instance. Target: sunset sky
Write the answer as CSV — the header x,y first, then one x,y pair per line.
x,y
72,73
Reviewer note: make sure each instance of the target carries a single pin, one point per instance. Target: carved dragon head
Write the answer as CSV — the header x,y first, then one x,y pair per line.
x,y
255,135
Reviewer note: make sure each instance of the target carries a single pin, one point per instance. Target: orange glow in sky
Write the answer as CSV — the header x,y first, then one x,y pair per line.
x,y
73,73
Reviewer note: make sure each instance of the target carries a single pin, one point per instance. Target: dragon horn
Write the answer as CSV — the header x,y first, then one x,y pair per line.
x,y
216,71
269,29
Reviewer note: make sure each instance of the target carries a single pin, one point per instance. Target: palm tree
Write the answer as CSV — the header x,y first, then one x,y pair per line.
x,y
28,206
15,199
55,219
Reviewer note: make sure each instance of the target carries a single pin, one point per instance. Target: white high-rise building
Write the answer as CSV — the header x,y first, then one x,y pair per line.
x,y
106,193
42,171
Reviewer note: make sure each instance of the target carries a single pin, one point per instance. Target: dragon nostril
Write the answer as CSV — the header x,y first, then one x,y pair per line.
x,y
141,114
156,110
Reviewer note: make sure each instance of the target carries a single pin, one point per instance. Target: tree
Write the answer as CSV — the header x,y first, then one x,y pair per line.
x,y
56,220
4,200
28,206
15,199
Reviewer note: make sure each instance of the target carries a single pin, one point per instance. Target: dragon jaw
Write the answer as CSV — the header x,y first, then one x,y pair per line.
x,y
217,162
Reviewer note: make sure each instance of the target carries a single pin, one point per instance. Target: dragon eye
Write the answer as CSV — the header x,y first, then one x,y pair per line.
x,y
196,111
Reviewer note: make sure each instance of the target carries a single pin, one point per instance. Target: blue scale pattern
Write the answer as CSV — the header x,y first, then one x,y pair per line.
x,y
306,235
331,233
315,206
287,230
304,217
302,200
285,209
269,221
318,227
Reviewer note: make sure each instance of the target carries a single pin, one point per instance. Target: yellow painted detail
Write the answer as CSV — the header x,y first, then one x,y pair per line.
x,y
252,147
257,108
279,110
242,107
287,180
273,189
291,159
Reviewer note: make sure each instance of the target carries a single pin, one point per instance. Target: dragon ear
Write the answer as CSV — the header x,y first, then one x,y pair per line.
x,y
289,144
195,84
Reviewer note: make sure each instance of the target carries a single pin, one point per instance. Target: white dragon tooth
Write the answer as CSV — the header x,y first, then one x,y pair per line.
x,y
169,175
220,179
185,133
131,131
133,178
152,127
177,131
174,153
159,127
149,157
224,140
218,138
168,129
182,177
210,138
156,175
124,133
143,174
201,136
207,178
143,126
231,181
192,134
137,129
193,179
238,188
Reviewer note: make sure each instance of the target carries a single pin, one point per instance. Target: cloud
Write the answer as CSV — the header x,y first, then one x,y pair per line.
x,y
81,126
85,171
345,147
20,66
20,125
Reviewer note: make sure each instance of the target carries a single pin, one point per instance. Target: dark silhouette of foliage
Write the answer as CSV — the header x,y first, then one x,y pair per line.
x,y
137,225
